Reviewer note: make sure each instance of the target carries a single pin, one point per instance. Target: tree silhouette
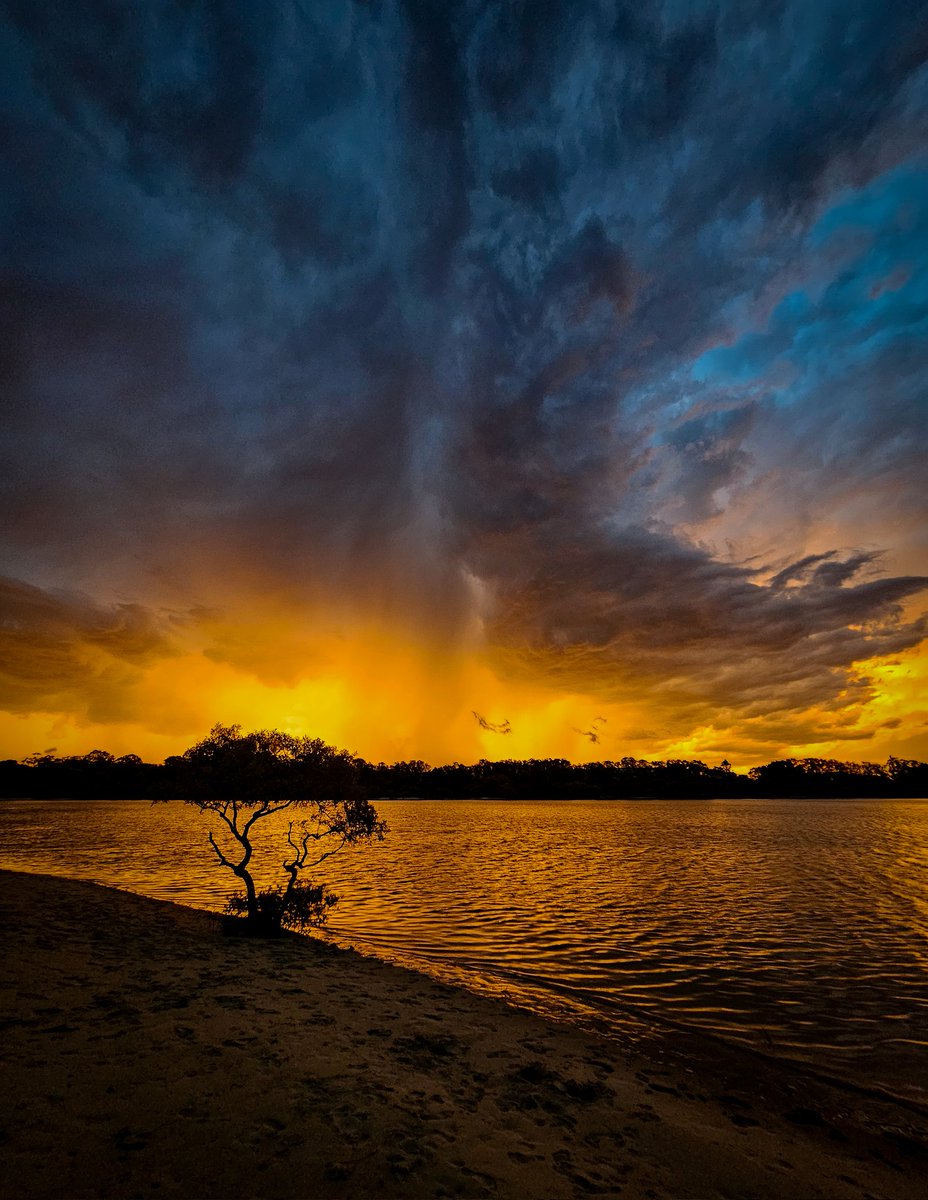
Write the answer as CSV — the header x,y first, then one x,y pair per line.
x,y
273,767
245,779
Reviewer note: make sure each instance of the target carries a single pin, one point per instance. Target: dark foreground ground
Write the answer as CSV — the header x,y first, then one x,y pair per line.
x,y
146,1054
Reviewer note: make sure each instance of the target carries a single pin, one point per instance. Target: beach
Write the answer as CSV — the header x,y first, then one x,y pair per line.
x,y
148,1053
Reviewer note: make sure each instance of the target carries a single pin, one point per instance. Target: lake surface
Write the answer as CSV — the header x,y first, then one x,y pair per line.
x,y
797,927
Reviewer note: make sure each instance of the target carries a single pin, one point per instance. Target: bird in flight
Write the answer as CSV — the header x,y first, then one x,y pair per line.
x,y
490,726
592,733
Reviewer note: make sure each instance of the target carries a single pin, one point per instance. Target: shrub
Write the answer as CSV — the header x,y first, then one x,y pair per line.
x,y
300,906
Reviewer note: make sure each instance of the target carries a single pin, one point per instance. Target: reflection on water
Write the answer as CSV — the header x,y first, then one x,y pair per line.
x,y
796,926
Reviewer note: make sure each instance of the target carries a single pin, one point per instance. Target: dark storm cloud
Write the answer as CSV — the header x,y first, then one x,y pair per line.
x,y
178,84
64,651
365,299
710,450
641,608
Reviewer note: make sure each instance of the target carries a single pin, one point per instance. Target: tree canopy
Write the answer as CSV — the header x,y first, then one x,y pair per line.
x,y
244,779
275,765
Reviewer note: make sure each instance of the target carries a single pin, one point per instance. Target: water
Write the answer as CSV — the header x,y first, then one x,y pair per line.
x,y
798,927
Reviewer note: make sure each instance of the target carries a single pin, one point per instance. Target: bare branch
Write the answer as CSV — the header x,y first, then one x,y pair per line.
x,y
260,811
276,808
265,809
327,853
300,850
219,854
222,814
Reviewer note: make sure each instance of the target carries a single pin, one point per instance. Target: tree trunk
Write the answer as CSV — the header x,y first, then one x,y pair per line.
x,y
251,892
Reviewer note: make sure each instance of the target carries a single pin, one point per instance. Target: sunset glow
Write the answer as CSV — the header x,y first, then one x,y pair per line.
x,y
449,400
392,698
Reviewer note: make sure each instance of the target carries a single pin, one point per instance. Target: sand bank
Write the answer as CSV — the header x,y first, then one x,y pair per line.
x,y
146,1054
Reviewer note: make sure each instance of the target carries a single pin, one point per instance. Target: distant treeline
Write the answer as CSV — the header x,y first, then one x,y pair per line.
x,y
99,775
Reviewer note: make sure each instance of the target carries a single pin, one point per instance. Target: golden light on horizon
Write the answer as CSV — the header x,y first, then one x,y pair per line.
x,y
391,697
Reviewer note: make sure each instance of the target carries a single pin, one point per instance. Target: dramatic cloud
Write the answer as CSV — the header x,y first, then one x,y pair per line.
x,y
63,652
574,350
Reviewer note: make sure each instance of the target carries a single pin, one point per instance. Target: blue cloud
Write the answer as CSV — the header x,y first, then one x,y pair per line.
x,y
875,303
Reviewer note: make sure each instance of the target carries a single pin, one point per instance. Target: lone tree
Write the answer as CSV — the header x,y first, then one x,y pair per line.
x,y
248,778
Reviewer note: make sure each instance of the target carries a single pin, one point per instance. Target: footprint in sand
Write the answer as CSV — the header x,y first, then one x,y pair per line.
x,y
128,1140
487,1182
520,1157
427,1052
231,1002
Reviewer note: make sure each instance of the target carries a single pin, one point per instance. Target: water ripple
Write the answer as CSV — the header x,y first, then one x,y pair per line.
x,y
801,923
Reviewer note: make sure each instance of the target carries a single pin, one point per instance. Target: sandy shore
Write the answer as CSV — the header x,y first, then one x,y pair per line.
x,y
146,1054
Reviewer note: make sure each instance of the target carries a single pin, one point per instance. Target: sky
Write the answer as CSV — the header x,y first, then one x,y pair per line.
x,y
465,380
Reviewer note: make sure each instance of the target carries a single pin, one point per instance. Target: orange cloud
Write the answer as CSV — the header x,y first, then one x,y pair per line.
x,y
80,676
